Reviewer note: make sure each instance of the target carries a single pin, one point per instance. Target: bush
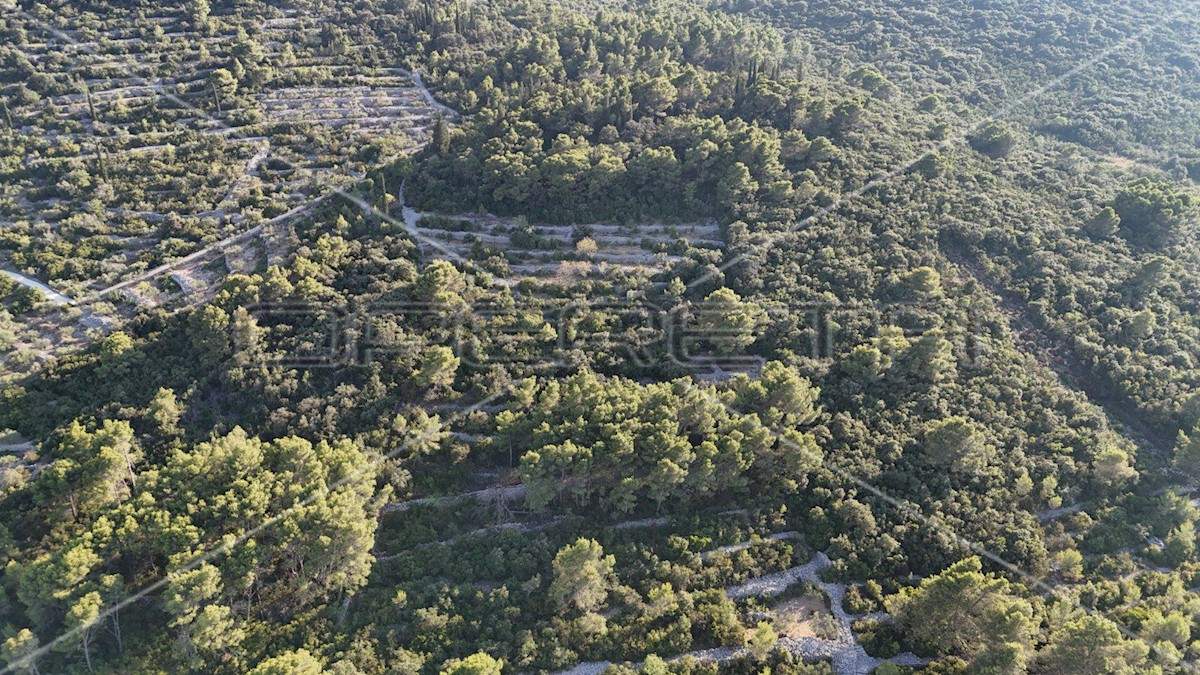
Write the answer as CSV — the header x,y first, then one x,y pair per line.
x,y
994,140
879,639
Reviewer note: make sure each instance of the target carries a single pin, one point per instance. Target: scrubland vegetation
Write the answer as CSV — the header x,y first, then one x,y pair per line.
x,y
680,336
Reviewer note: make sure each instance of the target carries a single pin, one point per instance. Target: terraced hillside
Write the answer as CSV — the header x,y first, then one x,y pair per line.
x,y
667,337
140,170
516,251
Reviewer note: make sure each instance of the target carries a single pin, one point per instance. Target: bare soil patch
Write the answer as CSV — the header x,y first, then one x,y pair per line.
x,y
797,617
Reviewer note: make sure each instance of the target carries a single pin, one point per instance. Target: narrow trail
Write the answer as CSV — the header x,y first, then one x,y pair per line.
x,y
156,87
742,546
17,448
496,494
264,151
846,654
217,246
409,95
449,112
1061,360
473,534
51,294
1050,515
843,650
492,494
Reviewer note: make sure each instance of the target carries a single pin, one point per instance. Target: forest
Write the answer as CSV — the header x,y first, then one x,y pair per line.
x,y
581,337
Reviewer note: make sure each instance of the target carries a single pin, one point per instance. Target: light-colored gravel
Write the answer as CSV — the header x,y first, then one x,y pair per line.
x,y
846,654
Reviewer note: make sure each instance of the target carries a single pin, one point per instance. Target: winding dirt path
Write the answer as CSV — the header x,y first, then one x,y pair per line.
x,y
846,654
428,96
218,246
51,294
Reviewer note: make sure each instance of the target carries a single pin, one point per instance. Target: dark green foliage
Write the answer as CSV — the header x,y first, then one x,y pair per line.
x,y
948,353
994,140
1156,214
